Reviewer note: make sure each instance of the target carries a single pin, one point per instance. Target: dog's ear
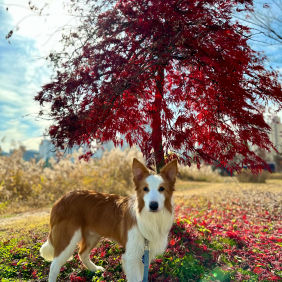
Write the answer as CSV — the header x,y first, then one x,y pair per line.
x,y
138,170
170,170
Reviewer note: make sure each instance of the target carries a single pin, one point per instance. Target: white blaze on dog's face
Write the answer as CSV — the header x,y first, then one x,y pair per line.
x,y
154,192
154,198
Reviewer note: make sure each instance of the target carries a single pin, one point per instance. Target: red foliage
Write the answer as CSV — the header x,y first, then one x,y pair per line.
x,y
181,67
257,237
75,278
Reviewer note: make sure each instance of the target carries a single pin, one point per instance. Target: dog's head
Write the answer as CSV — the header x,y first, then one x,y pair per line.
x,y
154,192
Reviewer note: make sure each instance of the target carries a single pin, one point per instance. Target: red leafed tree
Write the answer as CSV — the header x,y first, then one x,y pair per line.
x,y
181,67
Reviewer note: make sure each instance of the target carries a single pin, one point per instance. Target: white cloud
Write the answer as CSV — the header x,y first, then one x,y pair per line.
x,y
16,131
22,74
42,28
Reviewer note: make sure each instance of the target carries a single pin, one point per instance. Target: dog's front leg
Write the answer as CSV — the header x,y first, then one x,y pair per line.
x,y
133,267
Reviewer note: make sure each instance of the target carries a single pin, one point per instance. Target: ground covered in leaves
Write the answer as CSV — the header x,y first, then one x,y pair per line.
x,y
221,237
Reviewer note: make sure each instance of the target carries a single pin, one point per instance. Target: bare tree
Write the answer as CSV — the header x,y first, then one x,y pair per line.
x,y
265,19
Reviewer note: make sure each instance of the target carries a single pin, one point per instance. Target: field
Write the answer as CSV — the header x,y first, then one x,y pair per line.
x,y
221,233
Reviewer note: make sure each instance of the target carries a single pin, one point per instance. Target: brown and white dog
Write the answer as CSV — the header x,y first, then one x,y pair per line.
x,y
82,217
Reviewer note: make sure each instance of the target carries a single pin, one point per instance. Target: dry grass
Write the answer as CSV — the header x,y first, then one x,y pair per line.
x,y
186,191
192,173
246,176
28,185
275,176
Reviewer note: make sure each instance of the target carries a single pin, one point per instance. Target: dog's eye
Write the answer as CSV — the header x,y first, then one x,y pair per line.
x,y
146,189
161,189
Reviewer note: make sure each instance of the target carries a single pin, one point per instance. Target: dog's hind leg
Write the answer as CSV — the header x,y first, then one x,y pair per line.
x,y
88,243
61,257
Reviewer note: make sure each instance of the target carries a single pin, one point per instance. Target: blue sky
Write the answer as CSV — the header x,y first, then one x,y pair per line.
x,y
22,74
19,78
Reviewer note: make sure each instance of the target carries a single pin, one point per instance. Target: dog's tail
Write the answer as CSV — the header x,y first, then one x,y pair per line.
x,y
47,250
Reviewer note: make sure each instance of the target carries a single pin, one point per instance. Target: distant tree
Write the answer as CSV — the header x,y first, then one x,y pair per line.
x,y
181,67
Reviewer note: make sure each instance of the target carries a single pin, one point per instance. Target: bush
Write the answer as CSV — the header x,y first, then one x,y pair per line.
x,y
27,184
275,176
246,176
192,173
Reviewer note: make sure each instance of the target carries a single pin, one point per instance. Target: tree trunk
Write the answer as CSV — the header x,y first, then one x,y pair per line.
x,y
156,120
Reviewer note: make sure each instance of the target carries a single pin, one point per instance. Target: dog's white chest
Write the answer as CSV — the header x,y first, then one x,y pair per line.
x,y
155,228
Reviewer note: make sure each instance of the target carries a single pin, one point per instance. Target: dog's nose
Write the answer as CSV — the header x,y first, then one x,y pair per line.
x,y
153,206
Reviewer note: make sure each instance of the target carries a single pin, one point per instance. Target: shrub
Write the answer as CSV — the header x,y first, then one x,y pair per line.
x,y
274,176
192,173
246,176
29,184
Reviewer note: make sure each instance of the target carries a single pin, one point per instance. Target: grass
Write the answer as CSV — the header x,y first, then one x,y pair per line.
x,y
219,234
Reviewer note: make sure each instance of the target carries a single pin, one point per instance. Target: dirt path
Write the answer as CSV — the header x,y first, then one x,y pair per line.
x,y
31,218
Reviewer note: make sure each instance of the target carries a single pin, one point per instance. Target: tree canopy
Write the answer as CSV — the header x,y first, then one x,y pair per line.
x,y
180,67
